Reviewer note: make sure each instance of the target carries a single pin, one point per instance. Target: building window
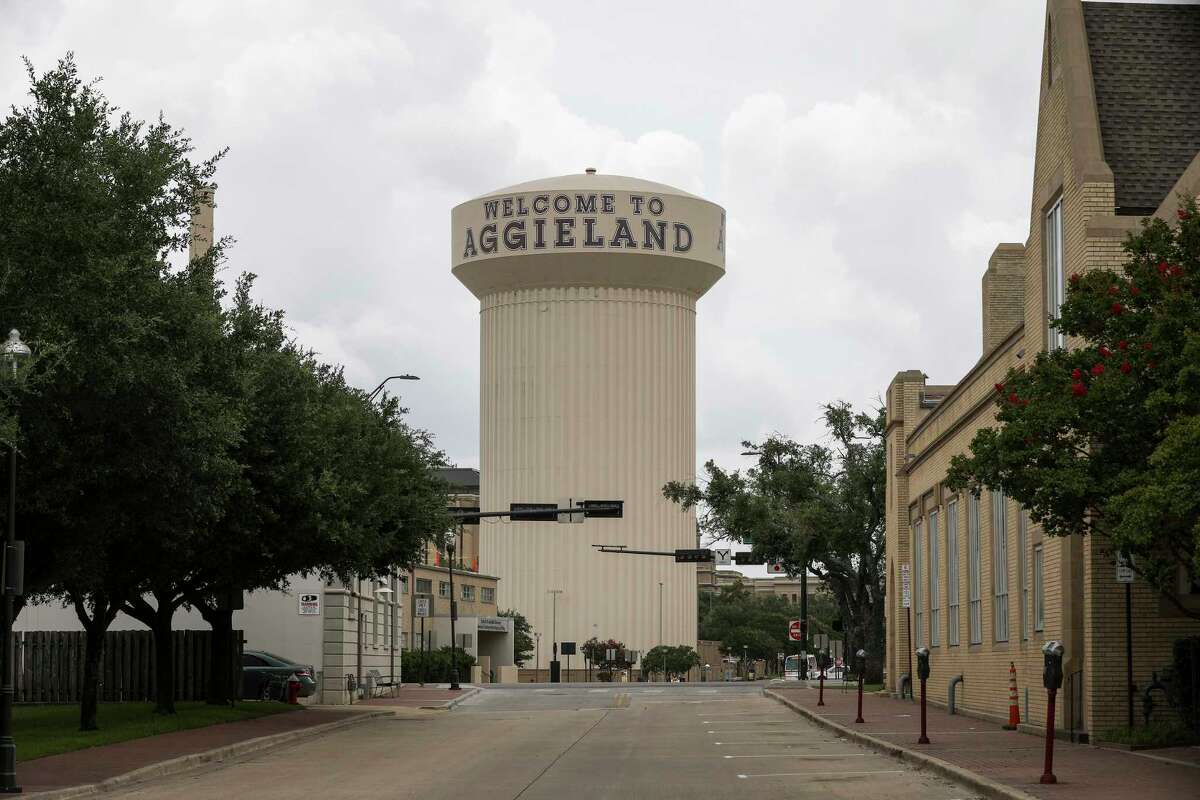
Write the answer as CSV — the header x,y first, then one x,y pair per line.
x,y
1022,577
1000,566
468,592
443,589
1055,285
424,586
935,599
952,571
1039,592
974,605
403,584
918,605
487,594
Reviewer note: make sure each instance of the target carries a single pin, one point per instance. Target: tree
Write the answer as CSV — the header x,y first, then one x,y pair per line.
x,y
812,507
118,451
1103,437
596,651
522,635
746,623
670,661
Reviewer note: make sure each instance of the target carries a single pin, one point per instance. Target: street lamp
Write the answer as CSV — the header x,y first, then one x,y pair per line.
x,y
13,353
660,629
375,393
453,616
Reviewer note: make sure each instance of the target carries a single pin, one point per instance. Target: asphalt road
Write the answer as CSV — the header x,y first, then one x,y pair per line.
x,y
582,741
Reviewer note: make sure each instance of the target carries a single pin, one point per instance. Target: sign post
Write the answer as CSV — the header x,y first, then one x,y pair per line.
x,y
906,604
1125,576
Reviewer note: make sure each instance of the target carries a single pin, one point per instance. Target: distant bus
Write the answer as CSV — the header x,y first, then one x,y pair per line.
x,y
791,668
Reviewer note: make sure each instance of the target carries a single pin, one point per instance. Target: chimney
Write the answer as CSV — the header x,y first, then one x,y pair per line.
x,y
202,224
1003,294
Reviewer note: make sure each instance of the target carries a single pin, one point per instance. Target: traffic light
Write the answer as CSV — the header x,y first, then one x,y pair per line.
x,y
693,556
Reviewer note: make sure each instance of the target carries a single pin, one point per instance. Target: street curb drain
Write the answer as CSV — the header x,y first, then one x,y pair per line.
x,y
987,787
175,766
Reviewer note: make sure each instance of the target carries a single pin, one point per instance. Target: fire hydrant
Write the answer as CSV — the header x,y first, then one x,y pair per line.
x,y
293,690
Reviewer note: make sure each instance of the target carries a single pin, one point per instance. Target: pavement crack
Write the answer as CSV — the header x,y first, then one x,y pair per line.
x,y
558,757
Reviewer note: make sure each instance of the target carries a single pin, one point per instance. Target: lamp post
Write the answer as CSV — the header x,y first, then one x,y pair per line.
x,y
453,616
554,673
375,392
13,352
537,656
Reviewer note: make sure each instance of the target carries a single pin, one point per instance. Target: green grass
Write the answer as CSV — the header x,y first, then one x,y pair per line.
x,y
46,730
1156,734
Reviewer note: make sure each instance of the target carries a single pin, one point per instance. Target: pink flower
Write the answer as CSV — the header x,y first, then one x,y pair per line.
x,y
1125,367
1116,309
1078,389
1098,369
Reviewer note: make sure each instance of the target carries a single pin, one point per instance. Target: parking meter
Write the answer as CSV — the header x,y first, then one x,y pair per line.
x,y
861,655
923,663
822,660
1052,672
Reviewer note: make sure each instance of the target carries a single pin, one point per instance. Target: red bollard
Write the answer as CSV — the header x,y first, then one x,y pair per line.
x,y
1048,769
821,690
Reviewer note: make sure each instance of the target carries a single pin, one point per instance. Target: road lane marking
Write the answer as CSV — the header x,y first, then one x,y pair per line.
x,y
807,755
788,743
818,775
598,691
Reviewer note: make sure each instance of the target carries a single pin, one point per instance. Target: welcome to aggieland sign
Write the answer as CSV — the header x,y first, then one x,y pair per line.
x,y
618,220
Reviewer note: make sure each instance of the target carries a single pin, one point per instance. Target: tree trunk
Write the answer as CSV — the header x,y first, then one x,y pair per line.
x,y
221,685
95,626
158,620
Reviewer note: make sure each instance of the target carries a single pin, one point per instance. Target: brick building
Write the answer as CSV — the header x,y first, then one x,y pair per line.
x,y
1118,135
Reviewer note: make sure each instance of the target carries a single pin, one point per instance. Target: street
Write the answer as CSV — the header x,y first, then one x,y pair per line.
x,y
579,740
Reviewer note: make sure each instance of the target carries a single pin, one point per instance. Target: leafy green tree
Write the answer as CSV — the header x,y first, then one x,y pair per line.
x,y
670,660
596,651
522,634
435,664
117,449
816,507
747,623
1103,437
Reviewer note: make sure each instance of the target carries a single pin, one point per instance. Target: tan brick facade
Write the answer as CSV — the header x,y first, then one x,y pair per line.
x,y
928,425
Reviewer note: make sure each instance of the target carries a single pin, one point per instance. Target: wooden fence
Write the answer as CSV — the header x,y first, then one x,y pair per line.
x,y
49,665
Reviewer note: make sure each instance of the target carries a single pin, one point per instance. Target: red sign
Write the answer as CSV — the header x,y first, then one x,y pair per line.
x,y
794,630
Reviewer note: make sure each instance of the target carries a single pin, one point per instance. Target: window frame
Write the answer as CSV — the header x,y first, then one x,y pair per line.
x,y
954,585
1055,279
918,578
444,590
428,586
974,568
1039,588
467,593
487,594
999,566
935,599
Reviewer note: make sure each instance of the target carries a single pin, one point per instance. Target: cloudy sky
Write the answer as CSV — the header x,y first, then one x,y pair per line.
x,y
869,155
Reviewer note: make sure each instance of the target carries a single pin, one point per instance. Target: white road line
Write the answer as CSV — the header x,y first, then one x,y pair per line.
x,y
598,691
818,775
650,691
807,755
786,743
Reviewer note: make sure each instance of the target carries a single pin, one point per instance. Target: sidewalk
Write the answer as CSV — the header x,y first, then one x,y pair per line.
x,y
96,764
1007,758
431,695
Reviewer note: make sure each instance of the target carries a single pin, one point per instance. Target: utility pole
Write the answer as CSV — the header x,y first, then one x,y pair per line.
x,y
555,677
661,643
453,616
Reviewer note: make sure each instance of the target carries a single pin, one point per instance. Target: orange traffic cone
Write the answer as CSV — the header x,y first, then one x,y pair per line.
x,y
1014,713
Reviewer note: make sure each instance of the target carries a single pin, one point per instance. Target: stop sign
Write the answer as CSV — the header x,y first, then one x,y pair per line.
x,y
794,630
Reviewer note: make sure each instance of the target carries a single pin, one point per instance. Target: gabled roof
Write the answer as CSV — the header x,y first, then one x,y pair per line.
x,y
1145,62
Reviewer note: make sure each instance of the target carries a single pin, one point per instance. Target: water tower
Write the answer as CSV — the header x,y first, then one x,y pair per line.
x,y
587,287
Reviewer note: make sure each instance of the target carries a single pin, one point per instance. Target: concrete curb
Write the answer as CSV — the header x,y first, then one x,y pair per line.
x,y
985,786
174,766
455,701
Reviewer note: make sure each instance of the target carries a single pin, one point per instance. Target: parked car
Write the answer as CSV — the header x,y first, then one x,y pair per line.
x,y
265,676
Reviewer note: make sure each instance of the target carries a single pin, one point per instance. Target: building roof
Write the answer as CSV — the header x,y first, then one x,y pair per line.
x,y
1145,62
463,479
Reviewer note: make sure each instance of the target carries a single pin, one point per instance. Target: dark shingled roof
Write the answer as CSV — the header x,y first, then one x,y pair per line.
x,y
1146,73
460,478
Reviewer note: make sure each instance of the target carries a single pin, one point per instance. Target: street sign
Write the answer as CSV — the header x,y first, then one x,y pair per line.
x,y
723,558
310,605
1124,569
905,587
776,568
610,654
567,649
821,641
693,556
422,606
794,630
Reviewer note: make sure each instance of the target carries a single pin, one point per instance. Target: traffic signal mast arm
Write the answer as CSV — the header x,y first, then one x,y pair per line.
x,y
470,515
699,555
